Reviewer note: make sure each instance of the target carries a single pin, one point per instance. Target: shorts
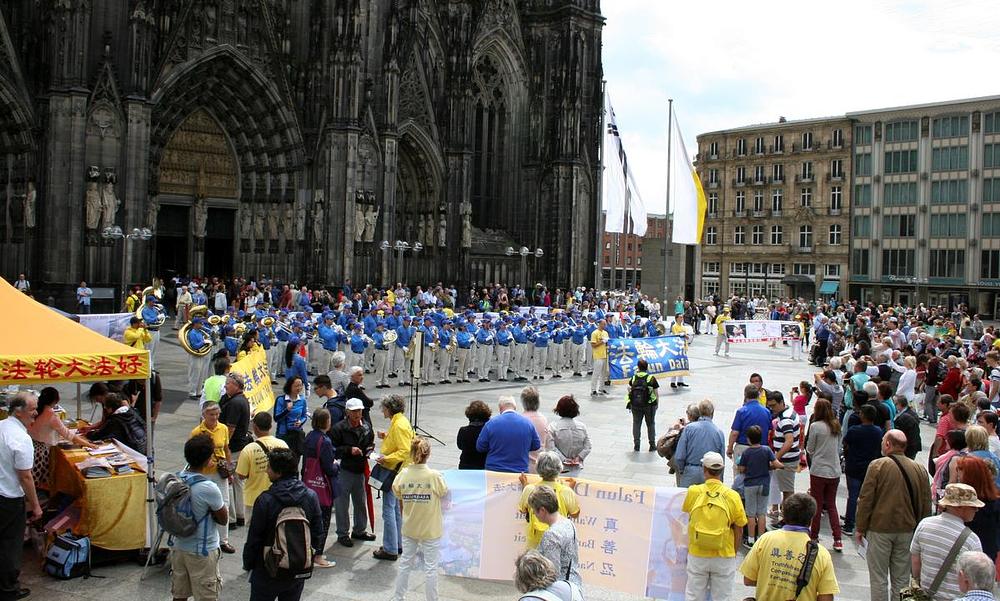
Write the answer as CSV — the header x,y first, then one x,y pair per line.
x,y
785,477
195,575
755,500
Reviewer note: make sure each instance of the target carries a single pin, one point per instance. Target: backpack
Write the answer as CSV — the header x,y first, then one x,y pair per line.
x,y
337,406
68,557
639,394
290,555
710,521
174,511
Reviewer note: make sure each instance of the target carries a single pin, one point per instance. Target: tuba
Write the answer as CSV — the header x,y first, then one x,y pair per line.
x,y
267,321
197,311
161,313
661,328
390,336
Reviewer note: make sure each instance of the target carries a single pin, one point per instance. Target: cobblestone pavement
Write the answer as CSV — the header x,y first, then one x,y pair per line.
x,y
359,576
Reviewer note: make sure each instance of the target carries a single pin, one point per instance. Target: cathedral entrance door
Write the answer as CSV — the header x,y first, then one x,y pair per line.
x,y
219,242
170,256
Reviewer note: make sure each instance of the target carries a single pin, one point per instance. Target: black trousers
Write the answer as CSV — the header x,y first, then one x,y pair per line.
x,y
12,523
647,413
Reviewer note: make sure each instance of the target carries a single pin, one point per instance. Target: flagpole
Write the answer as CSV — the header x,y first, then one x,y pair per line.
x,y
601,217
666,231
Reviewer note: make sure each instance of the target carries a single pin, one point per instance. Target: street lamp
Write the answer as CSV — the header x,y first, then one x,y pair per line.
x,y
114,232
400,246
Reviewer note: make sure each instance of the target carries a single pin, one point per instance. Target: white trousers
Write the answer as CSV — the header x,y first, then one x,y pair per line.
x,y
485,361
444,359
503,360
600,374
353,359
427,364
152,345
517,358
540,356
197,369
796,346
381,373
578,356
462,363
422,553
719,340
709,574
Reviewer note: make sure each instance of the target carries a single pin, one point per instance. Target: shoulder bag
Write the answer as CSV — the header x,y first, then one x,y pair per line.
x,y
916,593
909,488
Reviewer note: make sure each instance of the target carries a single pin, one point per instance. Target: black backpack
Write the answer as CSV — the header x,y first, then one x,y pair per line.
x,y
337,406
639,391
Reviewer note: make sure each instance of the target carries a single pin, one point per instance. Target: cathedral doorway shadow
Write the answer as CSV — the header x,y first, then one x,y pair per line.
x,y
170,255
219,256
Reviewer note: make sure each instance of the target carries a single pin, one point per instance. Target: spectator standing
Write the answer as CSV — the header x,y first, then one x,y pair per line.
x,y
772,566
286,491
785,442
755,464
986,525
599,352
83,294
18,499
530,402
568,436
194,560
752,413
895,496
549,467
251,465
862,445
478,413
715,525
507,439
977,444
908,422
423,494
236,417
989,421
698,437
976,577
822,446
395,455
291,413
642,399
353,440
319,447
939,539
535,577
558,542
219,472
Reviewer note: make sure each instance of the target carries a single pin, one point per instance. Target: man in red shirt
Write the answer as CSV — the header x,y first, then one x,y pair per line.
x,y
954,416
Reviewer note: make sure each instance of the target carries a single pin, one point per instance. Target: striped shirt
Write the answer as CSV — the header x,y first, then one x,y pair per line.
x,y
932,540
787,423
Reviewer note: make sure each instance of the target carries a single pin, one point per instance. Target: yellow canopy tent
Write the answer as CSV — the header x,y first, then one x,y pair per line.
x,y
40,346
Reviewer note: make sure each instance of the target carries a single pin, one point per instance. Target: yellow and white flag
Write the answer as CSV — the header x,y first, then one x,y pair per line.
x,y
687,197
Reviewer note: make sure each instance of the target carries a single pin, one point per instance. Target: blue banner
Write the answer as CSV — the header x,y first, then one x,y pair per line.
x,y
666,356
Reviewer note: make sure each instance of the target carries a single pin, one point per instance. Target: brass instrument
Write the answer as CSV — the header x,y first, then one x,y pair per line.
x,y
390,336
452,344
267,321
196,311
161,313
661,328
214,320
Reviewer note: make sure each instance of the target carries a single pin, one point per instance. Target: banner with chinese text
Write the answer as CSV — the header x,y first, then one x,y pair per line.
x,y
49,369
666,356
257,380
762,330
631,539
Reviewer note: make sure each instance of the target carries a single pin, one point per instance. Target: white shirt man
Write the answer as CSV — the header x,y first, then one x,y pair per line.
x,y
17,490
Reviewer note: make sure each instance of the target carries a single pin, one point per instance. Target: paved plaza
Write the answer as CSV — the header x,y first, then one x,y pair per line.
x,y
358,576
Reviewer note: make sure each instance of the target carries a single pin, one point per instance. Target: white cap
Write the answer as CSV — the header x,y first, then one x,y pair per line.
x,y
354,404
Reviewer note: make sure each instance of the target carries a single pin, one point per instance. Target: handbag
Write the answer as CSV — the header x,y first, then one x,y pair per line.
x,y
382,477
916,593
315,479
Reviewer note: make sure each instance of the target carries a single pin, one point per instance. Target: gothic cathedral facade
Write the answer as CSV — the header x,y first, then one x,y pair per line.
x,y
296,138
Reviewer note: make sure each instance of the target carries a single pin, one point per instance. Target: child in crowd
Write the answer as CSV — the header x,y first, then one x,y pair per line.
x,y
755,465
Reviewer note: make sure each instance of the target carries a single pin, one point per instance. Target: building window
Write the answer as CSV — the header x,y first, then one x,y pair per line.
x,y
713,176
991,123
779,173
777,269
628,260
757,235
711,236
638,261
862,195
991,188
804,269
859,262
950,191
807,170
805,236
710,267
991,156
777,235
738,268
948,225
741,202
758,201
831,271
836,198
862,135
758,174
779,143
838,138
901,131
863,164
901,161
756,269
899,226
806,197
989,267
899,194
741,174
835,235
991,225
898,262
713,149
950,158
713,203
807,140
776,200
837,168
862,225
950,127
758,145
607,246
709,288
947,263
740,235
741,147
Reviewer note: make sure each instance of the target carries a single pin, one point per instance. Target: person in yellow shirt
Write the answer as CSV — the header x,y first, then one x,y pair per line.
x,y
714,530
422,493
396,445
773,564
549,466
678,329
720,330
599,345
136,335
219,433
251,465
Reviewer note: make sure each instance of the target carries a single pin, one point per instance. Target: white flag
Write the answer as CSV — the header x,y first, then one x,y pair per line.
x,y
687,197
614,174
637,208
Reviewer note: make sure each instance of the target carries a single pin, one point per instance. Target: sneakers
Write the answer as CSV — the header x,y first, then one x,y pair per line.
x,y
838,546
747,544
684,384
848,530
673,385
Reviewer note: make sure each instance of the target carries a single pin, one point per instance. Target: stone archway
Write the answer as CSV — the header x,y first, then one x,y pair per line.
x,y
421,215
18,193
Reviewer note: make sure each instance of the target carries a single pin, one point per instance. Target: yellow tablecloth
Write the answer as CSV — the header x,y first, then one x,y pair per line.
x,y
112,510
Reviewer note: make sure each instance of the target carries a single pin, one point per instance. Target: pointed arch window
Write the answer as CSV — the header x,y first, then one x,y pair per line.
x,y
490,146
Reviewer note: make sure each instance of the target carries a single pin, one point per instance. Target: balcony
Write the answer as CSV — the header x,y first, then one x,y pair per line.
x,y
711,215
713,185
775,213
805,178
759,214
760,182
803,250
778,180
739,183
835,177
739,213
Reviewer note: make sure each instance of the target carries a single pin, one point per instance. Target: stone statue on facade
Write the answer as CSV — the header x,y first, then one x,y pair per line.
x,y
200,217
359,216
465,210
246,220
152,212
258,223
93,197
319,218
109,200
443,231
288,221
28,206
272,222
371,221
300,218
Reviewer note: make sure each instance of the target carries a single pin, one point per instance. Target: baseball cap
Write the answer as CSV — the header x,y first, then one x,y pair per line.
x,y
354,405
713,460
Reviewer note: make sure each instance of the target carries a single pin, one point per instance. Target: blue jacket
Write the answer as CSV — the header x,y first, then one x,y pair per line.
x,y
463,339
285,418
752,413
286,492
507,439
298,368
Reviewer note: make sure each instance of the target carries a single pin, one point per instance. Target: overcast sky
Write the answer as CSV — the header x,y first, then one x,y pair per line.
x,y
730,63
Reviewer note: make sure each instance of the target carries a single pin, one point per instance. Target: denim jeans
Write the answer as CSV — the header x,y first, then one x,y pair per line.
x,y
392,521
853,490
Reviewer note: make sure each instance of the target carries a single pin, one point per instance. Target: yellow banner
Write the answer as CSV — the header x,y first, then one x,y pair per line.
x,y
257,387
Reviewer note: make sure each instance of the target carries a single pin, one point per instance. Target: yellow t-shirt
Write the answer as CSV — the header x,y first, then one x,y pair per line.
x,y
775,561
137,337
220,436
420,490
568,506
736,515
719,321
252,467
601,350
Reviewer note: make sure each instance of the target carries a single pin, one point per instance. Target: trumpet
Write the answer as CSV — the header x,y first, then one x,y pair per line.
x,y
206,348
215,320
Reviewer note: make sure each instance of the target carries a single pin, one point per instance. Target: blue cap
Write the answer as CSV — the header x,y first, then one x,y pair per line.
x,y
200,320
357,326
150,297
294,340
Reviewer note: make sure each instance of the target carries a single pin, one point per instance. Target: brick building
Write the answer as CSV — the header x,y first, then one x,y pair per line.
x,y
624,251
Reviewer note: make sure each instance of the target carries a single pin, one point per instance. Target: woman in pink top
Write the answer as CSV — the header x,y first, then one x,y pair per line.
x,y
47,431
530,401
801,395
